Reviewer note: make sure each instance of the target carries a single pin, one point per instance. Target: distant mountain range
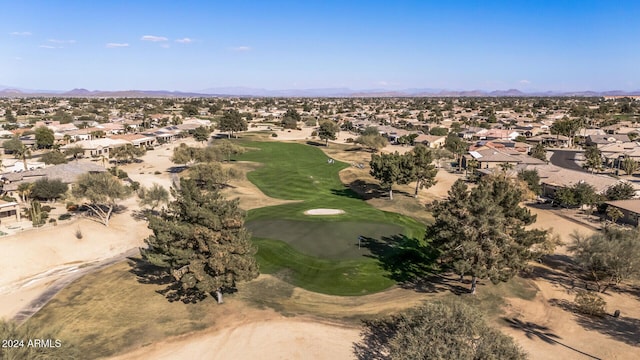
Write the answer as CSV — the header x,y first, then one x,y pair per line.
x,y
6,91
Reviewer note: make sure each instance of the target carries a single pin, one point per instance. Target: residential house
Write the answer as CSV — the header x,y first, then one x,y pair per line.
x,y
432,141
17,165
630,210
9,211
67,173
137,140
97,147
600,140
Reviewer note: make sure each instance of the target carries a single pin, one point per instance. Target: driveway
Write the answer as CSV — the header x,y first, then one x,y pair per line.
x,y
566,159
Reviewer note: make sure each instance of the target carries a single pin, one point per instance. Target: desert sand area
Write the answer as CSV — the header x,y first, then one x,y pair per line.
x,y
269,340
549,332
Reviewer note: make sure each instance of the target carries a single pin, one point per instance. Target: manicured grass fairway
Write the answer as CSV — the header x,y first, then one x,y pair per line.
x,y
324,256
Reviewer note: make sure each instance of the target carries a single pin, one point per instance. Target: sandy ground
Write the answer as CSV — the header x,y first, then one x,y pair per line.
x,y
37,257
324,212
269,340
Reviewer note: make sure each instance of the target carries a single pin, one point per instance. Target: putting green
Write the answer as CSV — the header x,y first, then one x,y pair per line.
x,y
330,240
320,253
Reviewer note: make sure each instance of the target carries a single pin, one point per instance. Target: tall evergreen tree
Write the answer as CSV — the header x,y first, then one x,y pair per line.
x,y
424,170
482,232
202,242
391,169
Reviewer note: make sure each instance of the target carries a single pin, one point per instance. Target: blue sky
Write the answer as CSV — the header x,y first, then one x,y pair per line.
x,y
193,45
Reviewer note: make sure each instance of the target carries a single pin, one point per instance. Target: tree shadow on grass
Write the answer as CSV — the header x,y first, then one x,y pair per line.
x,y
315,143
147,273
365,190
410,264
624,329
534,331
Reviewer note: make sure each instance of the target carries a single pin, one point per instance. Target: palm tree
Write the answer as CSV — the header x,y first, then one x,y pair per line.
x,y
24,190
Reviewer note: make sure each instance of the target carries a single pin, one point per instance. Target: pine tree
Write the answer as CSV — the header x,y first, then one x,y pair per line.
x,y
482,232
425,171
201,240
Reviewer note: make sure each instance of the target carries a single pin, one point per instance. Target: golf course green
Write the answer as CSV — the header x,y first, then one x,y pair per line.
x,y
318,253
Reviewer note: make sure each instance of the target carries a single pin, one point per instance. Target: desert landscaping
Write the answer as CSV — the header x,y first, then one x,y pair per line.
x,y
324,227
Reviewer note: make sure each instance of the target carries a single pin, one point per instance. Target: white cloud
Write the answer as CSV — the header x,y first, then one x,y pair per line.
x,y
48,47
57,41
524,82
184,40
241,48
383,83
117,45
166,46
153,38
20,33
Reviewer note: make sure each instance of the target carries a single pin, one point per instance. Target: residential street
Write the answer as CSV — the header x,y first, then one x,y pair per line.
x,y
566,159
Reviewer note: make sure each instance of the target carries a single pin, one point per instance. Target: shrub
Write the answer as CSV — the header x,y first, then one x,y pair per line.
x,y
349,140
65,216
53,221
157,172
72,206
590,303
135,185
8,198
47,208
78,234
274,135
314,133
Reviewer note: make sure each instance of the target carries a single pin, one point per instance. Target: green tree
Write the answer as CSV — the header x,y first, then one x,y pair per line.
x,y
289,123
620,191
435,330
539,152
44,138
24,189
227,149
614,213
593,159
457,146
48,189
18,149
293,114
232,122
327,131
153,196
74,151
184,154
629,165
609,257
126,153
424,170
201,134
372,142
388,169
438,131
567,127
532,178
202,242
53,158
211,175
189,110
482,232
8,115
103,191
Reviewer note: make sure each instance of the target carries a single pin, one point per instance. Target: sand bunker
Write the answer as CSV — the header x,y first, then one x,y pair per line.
x,y
324,212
